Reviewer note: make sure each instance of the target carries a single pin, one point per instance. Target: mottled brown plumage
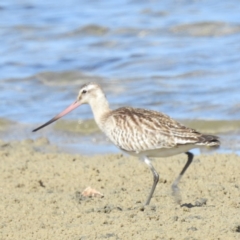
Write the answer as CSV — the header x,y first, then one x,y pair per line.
x,y
140,132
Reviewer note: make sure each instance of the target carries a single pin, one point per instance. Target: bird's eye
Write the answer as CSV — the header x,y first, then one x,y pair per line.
x,y
84,91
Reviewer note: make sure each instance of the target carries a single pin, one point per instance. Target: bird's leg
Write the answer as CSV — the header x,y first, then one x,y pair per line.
x,y
155,178
175,190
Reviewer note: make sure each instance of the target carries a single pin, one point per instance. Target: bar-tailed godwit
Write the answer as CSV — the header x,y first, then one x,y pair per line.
x,y
140,132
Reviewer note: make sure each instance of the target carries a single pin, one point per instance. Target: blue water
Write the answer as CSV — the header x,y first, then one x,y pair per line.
x,y
178,57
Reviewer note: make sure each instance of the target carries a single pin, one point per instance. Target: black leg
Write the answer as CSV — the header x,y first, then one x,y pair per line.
x,y
155,178
175,189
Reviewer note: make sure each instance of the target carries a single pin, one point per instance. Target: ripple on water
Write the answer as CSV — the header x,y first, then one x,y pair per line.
x,y
206,29
66,77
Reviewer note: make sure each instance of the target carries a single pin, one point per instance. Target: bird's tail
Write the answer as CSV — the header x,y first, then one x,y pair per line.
x,y
209,141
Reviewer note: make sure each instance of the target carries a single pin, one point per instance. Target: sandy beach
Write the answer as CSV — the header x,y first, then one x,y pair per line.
x,y
41,196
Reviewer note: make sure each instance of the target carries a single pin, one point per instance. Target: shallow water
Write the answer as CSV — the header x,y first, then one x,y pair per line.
x,y
178,57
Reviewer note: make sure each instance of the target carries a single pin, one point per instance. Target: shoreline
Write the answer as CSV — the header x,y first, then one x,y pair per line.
x,y
41,195
72,137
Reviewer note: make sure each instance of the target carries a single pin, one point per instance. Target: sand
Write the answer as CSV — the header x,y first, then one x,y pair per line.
x,y
41,196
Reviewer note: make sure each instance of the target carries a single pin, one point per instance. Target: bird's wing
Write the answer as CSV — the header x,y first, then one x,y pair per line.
x,y
135,129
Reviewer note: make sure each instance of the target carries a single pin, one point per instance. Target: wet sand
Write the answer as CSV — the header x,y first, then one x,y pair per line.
x,y
41,196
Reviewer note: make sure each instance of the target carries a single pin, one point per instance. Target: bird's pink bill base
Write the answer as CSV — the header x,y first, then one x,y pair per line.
x,y
61,114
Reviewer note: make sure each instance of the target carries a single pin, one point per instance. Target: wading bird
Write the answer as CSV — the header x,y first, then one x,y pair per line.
x,y
140,132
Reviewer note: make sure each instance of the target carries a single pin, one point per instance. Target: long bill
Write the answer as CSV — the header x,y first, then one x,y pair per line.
x,y
64,112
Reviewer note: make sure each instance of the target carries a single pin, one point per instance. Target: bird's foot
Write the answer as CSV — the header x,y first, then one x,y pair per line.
x,y
176,194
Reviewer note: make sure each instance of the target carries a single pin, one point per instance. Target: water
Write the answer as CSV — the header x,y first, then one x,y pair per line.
x,y
179,57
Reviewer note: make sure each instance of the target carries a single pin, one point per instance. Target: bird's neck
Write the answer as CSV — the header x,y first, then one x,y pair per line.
x,y
100,109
